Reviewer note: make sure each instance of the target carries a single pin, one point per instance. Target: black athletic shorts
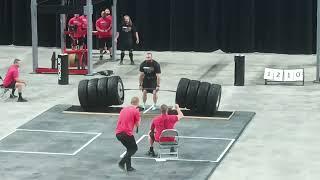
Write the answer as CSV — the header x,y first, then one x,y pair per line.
x,y
105,42
125,45
79,41
11,86
149,85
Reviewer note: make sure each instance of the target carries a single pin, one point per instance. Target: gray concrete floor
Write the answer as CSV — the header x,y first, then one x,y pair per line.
x,y
280,143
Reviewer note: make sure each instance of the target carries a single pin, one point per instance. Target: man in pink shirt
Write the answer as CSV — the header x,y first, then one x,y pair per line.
x,y
103,26
13,81
160,123
84,28
75,27
129,118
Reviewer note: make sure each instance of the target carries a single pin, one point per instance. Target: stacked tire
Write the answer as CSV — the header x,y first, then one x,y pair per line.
x,y
200,97
98,93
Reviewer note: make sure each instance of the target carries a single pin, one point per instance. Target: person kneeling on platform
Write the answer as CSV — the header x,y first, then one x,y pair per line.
x,y
160,123
13,81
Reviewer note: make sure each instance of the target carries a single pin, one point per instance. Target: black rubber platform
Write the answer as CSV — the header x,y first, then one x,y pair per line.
x,y
116,110
56,145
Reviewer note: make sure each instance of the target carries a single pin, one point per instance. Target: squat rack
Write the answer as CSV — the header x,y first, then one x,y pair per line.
x,y
88,10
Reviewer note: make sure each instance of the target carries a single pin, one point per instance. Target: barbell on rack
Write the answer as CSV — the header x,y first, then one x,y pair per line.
x,y
201,97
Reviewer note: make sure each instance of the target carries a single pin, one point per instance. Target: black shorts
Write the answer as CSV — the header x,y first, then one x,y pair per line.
x,y
105,42
149,85
11,86
78,41
84,40
125,45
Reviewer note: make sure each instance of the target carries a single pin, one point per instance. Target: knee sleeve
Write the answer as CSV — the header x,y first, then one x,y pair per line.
x,y
122,55
131,55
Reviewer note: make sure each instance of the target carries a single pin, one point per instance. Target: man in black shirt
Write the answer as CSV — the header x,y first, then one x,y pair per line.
x,y
149,80
127,33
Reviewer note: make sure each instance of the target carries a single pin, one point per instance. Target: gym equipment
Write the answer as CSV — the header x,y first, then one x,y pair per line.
x,y
103,92
199,97
136,89
63,74
239,70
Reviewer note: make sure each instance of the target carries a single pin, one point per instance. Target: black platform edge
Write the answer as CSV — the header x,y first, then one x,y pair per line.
x,y
116,110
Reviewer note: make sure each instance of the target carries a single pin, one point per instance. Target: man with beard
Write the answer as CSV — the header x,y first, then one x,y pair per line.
x,y
103,26
75,29
84,26
126,34
149,80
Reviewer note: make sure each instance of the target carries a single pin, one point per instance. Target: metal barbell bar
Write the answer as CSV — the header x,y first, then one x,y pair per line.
x,y
137,89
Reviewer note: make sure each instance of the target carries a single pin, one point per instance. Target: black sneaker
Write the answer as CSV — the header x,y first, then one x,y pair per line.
x,y
151,154
131,169
101,57
22,100
121,63
122,166
132,63
12,96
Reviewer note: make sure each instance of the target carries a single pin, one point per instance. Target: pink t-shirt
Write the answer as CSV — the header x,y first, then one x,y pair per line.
x,y
162,122
84,25
11,76
76,21
104,24
129,116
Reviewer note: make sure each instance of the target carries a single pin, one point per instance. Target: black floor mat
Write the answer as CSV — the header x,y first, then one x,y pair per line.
x,y
219,114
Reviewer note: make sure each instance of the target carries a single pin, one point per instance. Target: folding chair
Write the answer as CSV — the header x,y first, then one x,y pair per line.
x,y
165,147
3,90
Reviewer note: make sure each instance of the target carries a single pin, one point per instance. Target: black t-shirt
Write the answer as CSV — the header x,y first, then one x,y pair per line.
x,y
150,69
126,32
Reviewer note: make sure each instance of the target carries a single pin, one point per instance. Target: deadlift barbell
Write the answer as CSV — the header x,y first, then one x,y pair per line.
x,y
137,89
202,97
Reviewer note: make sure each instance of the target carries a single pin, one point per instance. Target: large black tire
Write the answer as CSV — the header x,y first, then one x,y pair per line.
x,y
182,92
192,94
83,93
201,101
115,90
103,91
213,100
93,93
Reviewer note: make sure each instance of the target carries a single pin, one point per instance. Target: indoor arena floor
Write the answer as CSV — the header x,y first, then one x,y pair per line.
x,y
279,143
